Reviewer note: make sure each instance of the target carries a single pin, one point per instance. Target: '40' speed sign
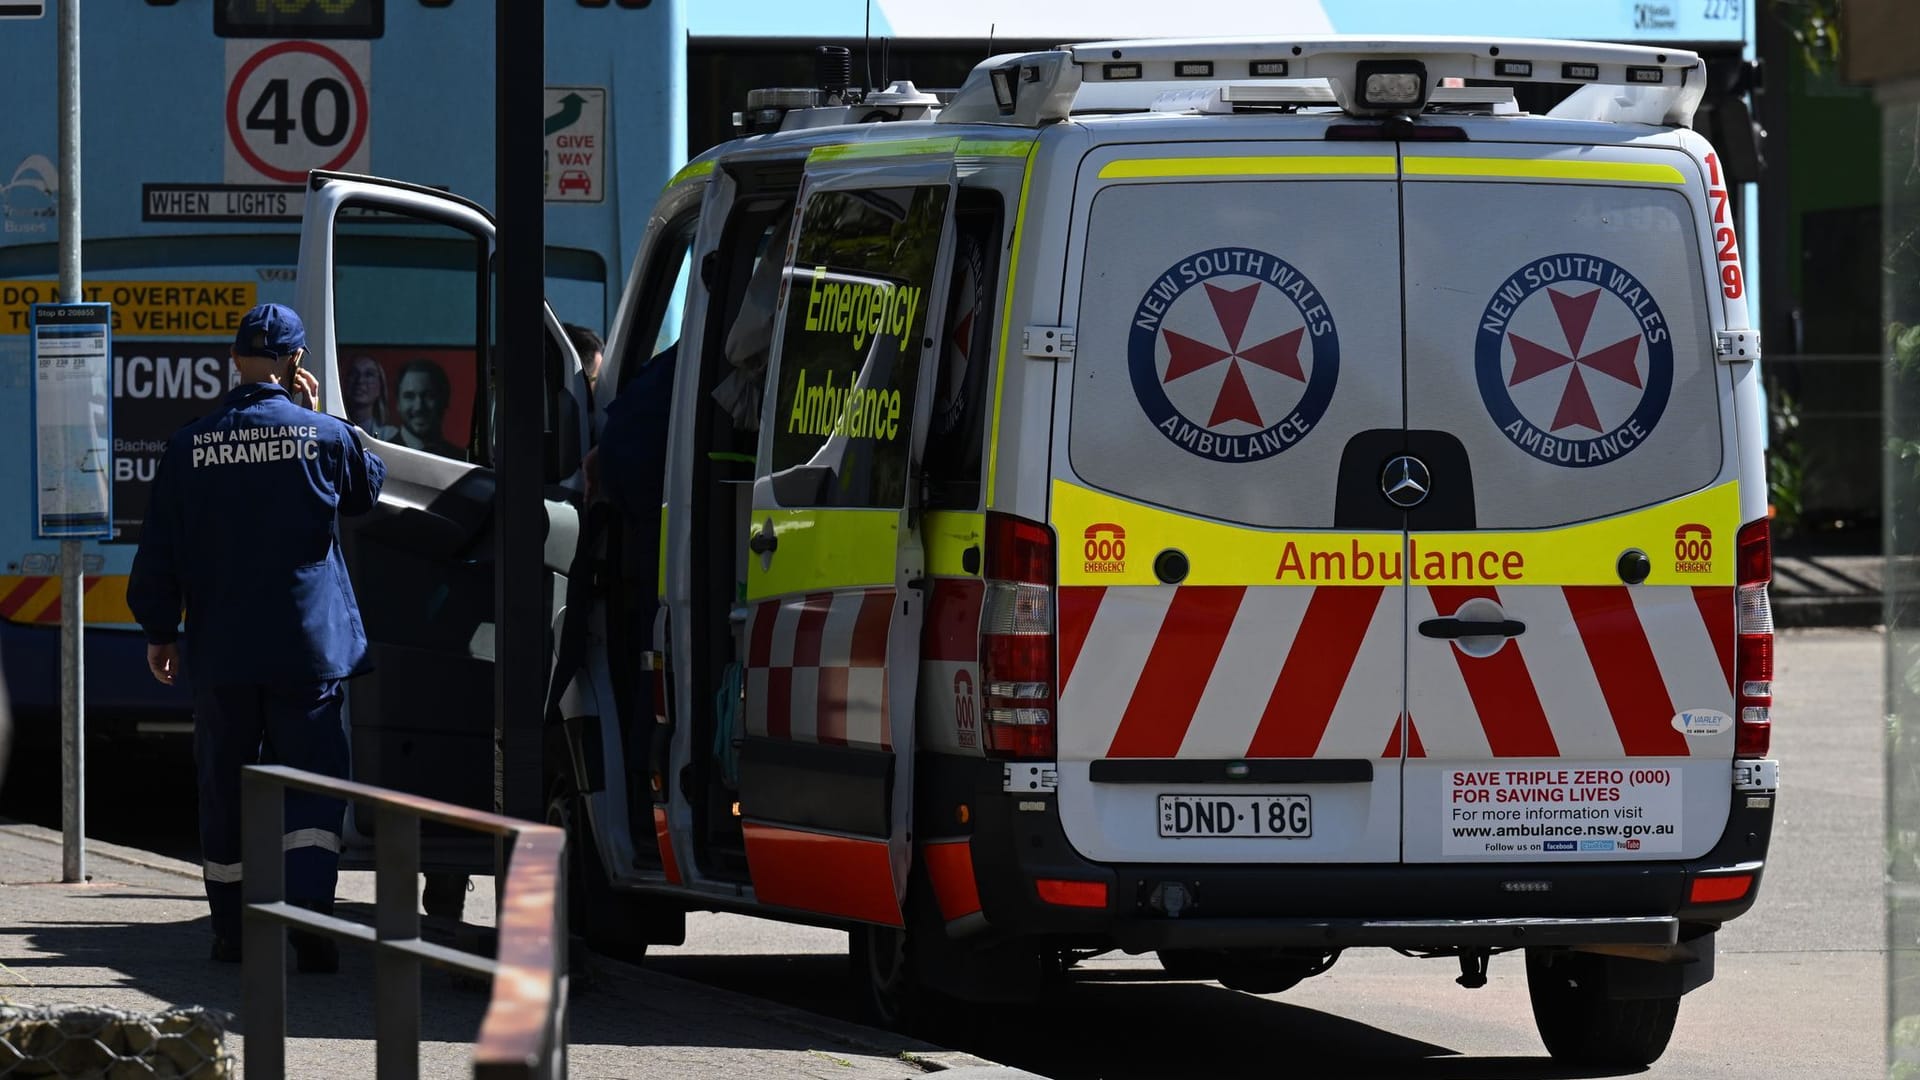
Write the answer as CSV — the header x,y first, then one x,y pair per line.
x,y
294,106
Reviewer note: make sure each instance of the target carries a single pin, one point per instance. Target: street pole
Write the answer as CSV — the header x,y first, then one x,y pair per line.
x,y
73,786
521,660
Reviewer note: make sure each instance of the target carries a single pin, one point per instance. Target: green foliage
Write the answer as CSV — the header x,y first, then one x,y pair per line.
x,y
1815,27
1786,461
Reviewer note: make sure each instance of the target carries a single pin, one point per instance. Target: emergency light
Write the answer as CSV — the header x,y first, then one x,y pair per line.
x,y
1391,85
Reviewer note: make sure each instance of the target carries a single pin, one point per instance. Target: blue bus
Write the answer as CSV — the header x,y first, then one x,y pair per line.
x,y
200,123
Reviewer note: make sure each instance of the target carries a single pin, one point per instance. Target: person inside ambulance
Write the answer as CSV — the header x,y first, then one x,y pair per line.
x,y
241,534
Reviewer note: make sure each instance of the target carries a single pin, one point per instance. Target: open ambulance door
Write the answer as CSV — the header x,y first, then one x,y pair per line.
x,y
836,581
396,290
1571,571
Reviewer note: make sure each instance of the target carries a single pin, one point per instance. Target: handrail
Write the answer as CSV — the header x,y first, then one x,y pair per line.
x,y
523,1034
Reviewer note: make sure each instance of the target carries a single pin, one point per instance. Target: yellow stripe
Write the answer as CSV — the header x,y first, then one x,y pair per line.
x,y
824,549
692,169
948,535
1636,172
952,145
1006,325
884,148
47,595
1305,165
106,601
1221,554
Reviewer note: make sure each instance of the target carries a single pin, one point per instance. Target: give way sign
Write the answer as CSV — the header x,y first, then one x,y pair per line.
x,y
294,106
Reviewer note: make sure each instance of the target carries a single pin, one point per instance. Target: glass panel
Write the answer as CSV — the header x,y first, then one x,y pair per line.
x,y
841,419
407,327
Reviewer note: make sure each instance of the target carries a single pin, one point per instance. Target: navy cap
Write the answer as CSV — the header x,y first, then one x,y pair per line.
x,y
270,330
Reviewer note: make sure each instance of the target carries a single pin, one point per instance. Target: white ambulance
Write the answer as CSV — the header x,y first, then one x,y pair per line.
x,y
1233,500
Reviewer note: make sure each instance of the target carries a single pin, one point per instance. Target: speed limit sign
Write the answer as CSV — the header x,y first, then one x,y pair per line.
x,y
294,106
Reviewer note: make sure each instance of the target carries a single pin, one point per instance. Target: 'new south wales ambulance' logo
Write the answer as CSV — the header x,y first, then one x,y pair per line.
x,y
1233,354
1574,360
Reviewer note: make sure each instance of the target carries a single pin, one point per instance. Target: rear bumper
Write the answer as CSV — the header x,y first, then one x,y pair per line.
x,y
1143,935
1327,906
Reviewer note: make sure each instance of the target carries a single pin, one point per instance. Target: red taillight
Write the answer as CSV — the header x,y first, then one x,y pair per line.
x,y
1016,639
1753,649
1719,890
1066,893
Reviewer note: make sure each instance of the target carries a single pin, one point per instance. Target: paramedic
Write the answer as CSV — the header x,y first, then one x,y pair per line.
x,y
241,534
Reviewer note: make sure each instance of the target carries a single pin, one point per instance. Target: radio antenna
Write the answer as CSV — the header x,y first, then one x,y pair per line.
x,y
868,44
991,27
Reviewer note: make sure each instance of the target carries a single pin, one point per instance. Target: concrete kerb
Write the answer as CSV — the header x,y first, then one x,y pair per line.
x,y
855,1037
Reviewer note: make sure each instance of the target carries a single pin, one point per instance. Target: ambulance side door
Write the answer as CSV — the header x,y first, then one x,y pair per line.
x,y
836,581
395,286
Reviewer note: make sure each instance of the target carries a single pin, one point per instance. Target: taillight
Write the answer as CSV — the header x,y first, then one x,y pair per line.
x,y
1016,639
1753,650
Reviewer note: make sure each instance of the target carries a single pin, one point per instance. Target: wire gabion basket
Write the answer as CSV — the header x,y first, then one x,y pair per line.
x,y
77,1042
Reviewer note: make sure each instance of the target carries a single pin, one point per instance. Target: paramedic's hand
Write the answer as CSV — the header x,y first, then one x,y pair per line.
x,y
164,661
305,390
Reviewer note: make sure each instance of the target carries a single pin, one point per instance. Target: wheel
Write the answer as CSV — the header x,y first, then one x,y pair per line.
x,y
445,895
1189,963
614,923
891,994
1581,1025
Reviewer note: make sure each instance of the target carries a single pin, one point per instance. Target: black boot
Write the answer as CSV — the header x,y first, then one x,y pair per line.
x,y
314,954
226,950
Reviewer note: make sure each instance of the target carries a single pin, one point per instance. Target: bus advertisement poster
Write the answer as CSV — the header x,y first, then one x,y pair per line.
x,y
73,420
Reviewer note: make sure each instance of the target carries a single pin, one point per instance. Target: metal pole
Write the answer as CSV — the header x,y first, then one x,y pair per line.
x,y
73,787
520,579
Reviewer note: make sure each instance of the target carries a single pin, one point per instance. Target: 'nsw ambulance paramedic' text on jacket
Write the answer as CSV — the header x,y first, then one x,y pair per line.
x,y
241,534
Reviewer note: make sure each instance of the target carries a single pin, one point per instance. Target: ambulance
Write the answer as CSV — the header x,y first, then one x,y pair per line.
x,y
1232,500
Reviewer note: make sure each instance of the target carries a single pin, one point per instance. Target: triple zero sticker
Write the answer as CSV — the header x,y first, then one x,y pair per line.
x,y
1574,360
1560,811
1233,354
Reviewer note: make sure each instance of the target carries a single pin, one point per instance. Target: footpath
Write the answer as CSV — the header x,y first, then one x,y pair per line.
x,y
1829,590
135,937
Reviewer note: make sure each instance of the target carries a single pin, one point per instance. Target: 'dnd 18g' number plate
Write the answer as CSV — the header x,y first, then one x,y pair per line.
x,y
1285,816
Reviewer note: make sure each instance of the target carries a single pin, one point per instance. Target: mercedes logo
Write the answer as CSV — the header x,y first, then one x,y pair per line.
x,y
1404,481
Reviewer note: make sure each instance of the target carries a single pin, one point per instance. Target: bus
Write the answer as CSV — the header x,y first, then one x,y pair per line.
x,y
200,122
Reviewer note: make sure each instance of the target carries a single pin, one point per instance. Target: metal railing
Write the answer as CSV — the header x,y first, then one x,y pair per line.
x,y
523,1036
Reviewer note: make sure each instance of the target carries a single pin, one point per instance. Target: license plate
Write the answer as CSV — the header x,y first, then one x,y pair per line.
x,y
1288,817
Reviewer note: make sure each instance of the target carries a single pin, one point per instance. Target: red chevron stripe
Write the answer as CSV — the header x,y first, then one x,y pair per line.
x,y
17,597
870,628
1315,671
760,642
1177,670
1078,605
1629,676
1501,688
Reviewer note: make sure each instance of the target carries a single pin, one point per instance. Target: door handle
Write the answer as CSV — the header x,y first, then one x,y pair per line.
x,y
1450,629
763,541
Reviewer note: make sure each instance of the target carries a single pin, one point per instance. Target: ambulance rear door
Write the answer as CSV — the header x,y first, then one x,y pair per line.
x,y
1230,620
1570,569
836,583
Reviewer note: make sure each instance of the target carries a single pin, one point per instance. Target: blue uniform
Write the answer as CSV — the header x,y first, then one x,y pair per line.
x,y
241,535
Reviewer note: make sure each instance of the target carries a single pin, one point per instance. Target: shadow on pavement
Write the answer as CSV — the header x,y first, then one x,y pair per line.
x,y
118,961
1124,1025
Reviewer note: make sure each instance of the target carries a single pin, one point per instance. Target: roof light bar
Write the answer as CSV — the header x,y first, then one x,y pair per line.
x,y
1664,84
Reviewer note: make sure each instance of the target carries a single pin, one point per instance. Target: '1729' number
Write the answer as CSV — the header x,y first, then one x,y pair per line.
x,y
1724,247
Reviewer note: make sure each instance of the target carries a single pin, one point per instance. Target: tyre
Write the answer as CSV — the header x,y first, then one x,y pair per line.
x,y
614,923
1582,1026
1194,964
890,992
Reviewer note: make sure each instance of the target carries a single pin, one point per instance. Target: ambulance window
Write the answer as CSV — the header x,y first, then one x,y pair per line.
x,y
407,316
840,416
1569,350
654,325
956,436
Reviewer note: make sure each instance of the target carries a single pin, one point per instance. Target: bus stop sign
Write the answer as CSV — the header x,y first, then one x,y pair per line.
x,y
73,420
